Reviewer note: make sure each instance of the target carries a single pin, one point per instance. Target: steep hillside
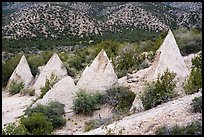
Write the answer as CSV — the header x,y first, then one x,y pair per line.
x,y
58,19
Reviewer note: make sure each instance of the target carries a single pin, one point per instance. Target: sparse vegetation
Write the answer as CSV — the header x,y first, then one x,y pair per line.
x,y
28,91
194,128
120,98
91,124
48,85
37,124
189,40
53,112
159,91
15,87
85,102
8,68
194,82
197,104
15,129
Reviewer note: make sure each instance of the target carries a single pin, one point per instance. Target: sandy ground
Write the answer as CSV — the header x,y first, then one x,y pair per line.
x,y
75,122
13,106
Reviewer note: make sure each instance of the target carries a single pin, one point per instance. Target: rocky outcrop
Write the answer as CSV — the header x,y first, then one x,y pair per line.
x,y
63,92
55,66
168,56
99,76
21,73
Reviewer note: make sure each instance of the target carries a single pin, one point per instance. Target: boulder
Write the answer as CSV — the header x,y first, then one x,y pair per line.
x,y
21,73
99,76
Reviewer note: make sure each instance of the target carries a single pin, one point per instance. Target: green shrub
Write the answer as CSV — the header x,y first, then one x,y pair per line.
x,y
159,91
15,87
76,62
188,40
53,112
8,68
197,61
194,82
194,128
70,71
48,85
28,91
37,124
85,103
14,129
197,104
120,98
91,124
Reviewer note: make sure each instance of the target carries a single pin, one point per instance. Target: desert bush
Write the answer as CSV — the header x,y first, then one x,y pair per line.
x,y
197,61
91,124
15,87
53,112
188,40
48,85
194,128
8,68
127,61
76,62
15,129
37,124
28,91
197,104
159,91
85,103
194,82
120,98
70,71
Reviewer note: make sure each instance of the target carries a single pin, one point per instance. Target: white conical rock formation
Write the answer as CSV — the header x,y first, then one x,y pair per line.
x,y
22,72
99,76
55,66
63,92
170,57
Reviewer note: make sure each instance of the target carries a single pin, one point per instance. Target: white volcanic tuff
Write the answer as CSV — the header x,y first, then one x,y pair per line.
x,y
55,66
99,76
167,56
63,92
22,72
170,57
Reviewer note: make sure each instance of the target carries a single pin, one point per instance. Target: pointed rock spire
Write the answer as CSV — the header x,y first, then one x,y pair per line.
x,y
63,91
99,76
22,72
169,56
55,66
